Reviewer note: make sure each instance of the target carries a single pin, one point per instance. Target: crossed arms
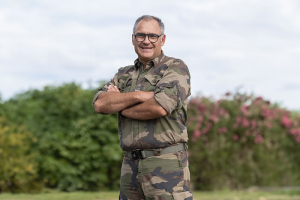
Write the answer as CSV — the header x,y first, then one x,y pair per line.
x,y
135,105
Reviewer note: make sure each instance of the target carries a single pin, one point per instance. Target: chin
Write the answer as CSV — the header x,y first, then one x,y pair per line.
x,y
146,55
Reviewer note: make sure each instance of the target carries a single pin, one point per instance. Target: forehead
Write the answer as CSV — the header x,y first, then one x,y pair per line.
x,y
148,26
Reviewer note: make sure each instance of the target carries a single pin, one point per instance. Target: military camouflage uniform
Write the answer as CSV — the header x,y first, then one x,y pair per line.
x,y
163,176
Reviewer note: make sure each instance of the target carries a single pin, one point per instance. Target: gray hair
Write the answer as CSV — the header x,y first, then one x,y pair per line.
x,y
147,17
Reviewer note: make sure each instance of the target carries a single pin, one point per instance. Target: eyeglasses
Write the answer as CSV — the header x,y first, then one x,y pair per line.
x,y
140,37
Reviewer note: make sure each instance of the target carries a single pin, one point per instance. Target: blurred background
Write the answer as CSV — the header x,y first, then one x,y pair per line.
x,y
243,114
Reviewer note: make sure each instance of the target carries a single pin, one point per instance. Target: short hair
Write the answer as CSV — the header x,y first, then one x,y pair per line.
x,y
147,17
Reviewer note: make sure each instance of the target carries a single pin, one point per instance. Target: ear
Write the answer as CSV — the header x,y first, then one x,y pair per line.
x,y
132,38
163,40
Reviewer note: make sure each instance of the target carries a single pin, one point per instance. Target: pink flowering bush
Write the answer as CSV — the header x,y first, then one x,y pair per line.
x,y
241,141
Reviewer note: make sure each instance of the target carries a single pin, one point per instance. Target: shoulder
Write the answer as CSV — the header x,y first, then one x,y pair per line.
x,y
125,70
172,62
176,64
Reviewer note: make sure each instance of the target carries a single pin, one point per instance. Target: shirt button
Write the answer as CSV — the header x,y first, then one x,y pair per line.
x,y
136,126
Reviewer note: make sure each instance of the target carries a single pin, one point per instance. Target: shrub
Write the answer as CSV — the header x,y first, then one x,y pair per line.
x,y
240,141
17,166
78,148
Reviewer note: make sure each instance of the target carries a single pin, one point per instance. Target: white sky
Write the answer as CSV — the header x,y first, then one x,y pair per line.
x,y
227,44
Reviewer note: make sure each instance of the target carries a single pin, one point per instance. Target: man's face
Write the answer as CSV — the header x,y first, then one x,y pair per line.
x,y
147,50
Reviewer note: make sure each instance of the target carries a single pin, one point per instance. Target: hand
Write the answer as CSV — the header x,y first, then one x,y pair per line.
x,y
112,89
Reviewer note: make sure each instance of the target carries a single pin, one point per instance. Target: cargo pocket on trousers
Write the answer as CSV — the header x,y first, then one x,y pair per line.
x,y
187,195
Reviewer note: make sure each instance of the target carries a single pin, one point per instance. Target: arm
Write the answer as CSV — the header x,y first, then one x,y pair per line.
x,y
149,109
171,93
113,101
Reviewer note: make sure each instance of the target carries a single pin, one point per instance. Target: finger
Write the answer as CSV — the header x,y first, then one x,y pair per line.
x,y
113,89
116,88
110,88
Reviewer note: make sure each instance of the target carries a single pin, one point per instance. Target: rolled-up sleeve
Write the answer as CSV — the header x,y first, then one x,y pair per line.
x,y
113,82
174,87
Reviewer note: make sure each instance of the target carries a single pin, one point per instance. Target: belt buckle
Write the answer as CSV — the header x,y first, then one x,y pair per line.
x,y
136,154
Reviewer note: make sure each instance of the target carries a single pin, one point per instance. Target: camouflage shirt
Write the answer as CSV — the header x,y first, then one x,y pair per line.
x,y
169,78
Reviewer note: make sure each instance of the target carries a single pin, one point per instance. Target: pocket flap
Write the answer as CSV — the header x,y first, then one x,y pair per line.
x,y
152,79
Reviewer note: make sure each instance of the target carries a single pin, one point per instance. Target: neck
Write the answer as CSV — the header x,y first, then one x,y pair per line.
x,y
144,62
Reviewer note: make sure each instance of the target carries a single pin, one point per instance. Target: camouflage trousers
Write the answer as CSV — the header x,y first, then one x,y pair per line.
x,y
161,177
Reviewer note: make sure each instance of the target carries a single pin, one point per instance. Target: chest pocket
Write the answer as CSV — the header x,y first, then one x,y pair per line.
x,y
150,82
125,86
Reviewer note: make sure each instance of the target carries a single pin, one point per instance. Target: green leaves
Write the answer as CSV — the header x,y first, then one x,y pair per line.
x,y
18,170
76,145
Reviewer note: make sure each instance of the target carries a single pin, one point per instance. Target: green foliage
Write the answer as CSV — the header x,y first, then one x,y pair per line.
x,y
236,142
17,166
240,141
78,148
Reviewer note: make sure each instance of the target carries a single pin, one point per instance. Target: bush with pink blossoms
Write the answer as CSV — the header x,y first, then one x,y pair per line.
x,y
241,141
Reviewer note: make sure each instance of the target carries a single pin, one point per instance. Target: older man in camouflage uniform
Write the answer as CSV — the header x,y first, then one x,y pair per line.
x,y
151,99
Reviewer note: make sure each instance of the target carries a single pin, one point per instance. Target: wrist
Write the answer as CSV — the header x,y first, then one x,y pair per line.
x,y
140,96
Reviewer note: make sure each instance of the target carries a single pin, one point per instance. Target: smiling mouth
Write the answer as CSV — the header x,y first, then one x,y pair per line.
x,y
146,47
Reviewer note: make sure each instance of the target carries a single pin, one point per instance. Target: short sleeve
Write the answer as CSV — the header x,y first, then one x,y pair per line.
x,y
174,88
113,82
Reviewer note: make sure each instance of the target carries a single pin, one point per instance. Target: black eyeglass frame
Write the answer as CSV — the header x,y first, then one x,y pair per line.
x,y
145,35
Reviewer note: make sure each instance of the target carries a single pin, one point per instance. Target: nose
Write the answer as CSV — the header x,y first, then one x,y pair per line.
x,y
146,40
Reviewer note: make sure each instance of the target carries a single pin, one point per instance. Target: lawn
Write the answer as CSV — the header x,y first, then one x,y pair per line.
x,y
219,195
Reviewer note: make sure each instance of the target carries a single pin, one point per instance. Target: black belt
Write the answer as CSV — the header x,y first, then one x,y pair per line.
x,y
141,154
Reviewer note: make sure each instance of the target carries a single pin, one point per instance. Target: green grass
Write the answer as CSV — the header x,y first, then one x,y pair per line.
x,y
219,195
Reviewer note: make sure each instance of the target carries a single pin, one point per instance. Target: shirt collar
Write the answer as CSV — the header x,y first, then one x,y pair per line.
x,y
152,63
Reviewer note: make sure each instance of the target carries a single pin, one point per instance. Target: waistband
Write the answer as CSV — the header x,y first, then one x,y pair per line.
x,y
141,154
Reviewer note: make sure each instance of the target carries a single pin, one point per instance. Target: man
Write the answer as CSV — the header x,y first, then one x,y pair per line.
x,y
151,99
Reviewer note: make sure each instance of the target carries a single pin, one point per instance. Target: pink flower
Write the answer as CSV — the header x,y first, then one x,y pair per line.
x,y
198,126
235,137
245,122
259,99
200,119
239,119
244,109
266,113
196,133
201,107
214,119
193,101
294,131
258,139
207,128
223,112
222,130
286,121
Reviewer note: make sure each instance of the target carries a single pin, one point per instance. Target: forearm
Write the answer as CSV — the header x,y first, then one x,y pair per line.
x,y
149,109
113,102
